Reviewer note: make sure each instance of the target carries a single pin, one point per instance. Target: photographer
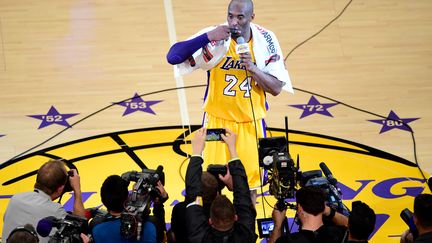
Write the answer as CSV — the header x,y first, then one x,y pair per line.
x,y
310,210
23,234
114,194
422,220
209,190
228,222
30,207
361,222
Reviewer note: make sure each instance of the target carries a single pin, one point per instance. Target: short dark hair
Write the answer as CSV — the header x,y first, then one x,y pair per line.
x,y
23,234
312,199
423,209
361,221
51,176
222,213
114,193
209,187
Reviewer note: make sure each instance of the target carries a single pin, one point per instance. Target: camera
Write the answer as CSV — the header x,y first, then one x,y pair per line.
x,y
69,229
214,134
329,186
408,217
217,170
265,227
137,206
283,174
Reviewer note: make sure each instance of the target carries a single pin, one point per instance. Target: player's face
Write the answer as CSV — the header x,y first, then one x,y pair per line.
x,y
239,16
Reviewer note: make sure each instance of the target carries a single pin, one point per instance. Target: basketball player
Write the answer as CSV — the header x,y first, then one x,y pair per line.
x,y
243,62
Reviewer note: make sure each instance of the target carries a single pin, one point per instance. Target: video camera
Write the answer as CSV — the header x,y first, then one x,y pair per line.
x,y
285,177
283,174
69,228
328,184
137,206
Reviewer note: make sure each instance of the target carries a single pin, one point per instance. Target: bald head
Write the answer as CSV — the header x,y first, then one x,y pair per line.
x,y
240,15
246,5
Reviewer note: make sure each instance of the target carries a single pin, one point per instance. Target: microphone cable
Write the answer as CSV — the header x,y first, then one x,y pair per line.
x,y
319,31
249,87
6,163
377,115
352,107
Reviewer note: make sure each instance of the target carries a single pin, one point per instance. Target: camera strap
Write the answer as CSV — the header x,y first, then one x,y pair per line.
x,y
99,220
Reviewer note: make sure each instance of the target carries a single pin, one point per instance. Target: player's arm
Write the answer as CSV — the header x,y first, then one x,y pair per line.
x,y
267,82
181,51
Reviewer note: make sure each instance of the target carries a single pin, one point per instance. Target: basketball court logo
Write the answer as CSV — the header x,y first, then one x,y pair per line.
x,y
386,182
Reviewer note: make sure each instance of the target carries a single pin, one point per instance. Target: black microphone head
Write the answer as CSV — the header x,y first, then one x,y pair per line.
x,y
325,169
328,173
161,174
45,226
240,40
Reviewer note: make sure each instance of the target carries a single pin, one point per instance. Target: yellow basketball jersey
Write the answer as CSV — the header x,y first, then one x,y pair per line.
x,y
228,90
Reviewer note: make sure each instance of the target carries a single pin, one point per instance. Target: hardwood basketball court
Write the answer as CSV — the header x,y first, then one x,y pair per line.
x,y
81,56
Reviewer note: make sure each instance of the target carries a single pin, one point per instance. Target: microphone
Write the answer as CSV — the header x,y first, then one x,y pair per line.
x,y
328,173
161,174
241,46
45,225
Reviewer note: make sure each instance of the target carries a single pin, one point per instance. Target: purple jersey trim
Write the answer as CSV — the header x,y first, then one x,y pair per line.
x,y
207,88
264,128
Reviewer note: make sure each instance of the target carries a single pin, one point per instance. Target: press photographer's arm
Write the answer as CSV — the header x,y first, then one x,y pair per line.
x,y
244,208
278,218
194,170
78,208
336,217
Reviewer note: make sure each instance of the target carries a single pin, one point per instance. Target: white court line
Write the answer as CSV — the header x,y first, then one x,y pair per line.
x,y
181,93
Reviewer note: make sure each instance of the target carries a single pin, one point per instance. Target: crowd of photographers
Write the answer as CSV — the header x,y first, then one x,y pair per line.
x,y
204,216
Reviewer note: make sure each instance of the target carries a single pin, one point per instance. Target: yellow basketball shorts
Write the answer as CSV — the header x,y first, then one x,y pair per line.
x,y
216,152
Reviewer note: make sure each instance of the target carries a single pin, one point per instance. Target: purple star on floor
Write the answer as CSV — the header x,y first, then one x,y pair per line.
x,y
2,135
138,104
53,117
314,106
393,121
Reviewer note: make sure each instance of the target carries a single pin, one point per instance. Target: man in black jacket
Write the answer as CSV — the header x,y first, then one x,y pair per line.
x,y
422,220
228,222
209,190
310,210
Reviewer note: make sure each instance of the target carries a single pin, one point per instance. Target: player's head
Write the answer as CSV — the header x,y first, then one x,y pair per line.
x,y
240,14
